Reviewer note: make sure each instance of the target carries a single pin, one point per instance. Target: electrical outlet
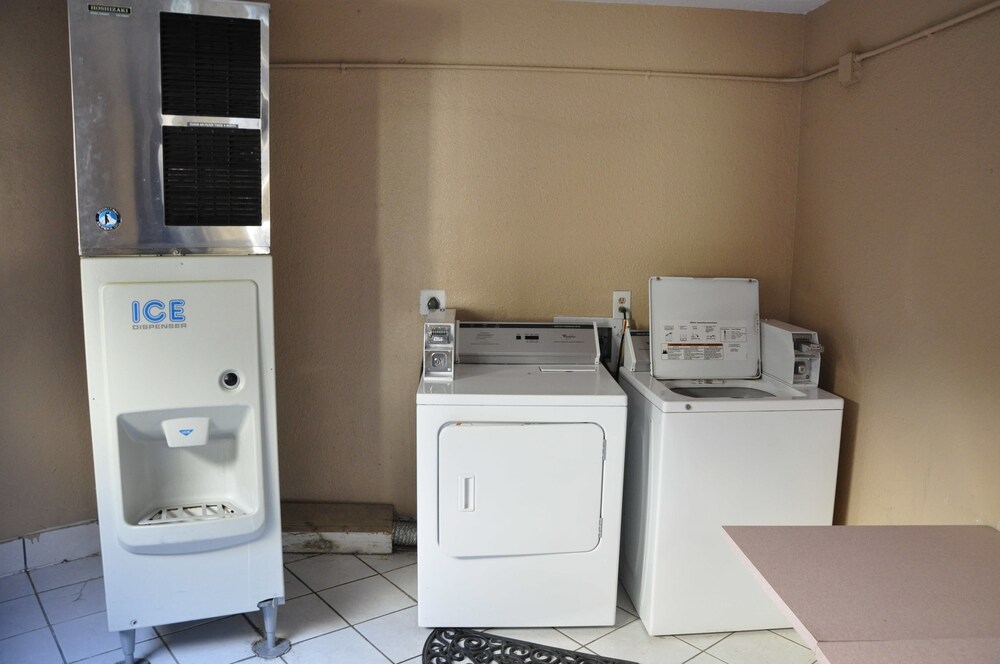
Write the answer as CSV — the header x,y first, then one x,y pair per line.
x,y
621,298
426,295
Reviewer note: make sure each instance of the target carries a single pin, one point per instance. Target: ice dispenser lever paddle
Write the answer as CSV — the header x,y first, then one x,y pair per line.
x,y
186,431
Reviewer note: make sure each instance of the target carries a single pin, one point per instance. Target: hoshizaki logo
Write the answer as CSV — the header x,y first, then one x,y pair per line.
x,y
110,9
108,219
158,315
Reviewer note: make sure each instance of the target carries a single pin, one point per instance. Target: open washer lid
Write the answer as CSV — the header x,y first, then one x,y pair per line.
x,y
704,327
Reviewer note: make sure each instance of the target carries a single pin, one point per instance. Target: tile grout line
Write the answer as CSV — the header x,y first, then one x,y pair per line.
x,y
368,620
318,636
371,576
788,639
635,611
254,627
354,627
305,556
390,613
336,585
99,576
320,598
299,579
720,641
613,628
48,623
355,556
166,646
82,615
587,644
381,554
368,641
576,641
706,648
704,652
397,585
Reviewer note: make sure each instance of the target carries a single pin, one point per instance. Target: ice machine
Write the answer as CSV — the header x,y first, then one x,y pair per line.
x,y
170,108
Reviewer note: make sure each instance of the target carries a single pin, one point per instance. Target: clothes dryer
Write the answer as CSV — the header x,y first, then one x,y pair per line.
x,y
706,452
519,481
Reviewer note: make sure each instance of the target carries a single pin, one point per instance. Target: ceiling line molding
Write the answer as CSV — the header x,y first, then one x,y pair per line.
x,y
770,6
649,73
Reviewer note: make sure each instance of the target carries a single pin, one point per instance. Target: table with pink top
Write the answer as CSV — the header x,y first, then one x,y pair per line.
x,y
883,594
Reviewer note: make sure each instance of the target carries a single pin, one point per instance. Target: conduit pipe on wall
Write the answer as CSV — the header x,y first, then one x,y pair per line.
x,y
858,57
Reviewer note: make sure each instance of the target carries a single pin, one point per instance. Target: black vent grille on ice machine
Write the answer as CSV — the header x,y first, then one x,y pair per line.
x,y
210,65
211,176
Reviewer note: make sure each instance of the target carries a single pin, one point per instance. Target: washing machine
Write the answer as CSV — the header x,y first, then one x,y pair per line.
x,y
715,440
520,457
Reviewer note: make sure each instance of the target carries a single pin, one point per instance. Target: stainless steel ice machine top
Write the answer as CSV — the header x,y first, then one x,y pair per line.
x,y
171,155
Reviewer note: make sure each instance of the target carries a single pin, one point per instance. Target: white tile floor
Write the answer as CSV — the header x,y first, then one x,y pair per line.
x,y
340,609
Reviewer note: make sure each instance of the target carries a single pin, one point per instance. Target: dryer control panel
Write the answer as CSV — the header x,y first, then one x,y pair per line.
x,y
528,343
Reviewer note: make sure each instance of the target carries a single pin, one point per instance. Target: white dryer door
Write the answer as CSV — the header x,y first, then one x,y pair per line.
x,y
519,488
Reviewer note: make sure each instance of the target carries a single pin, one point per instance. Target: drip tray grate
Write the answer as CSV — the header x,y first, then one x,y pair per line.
x,y
192,512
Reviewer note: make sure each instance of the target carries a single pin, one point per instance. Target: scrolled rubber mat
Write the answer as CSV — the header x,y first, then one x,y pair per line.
x,y
467,646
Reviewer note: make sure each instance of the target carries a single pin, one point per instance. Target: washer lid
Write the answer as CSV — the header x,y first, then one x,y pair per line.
x,y
704,327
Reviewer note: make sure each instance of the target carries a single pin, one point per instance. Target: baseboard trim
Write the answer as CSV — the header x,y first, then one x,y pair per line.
x,y
336,527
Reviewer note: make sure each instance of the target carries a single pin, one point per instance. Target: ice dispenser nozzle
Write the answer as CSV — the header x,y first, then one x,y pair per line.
x,y
186,431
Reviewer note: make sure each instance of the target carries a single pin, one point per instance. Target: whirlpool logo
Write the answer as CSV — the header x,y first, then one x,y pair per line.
x,y
158,315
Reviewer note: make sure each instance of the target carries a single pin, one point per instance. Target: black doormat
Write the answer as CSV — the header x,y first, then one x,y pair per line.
x,y
467,646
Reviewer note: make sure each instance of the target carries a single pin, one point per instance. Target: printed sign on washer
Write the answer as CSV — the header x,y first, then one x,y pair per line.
x,y
704,328
705,340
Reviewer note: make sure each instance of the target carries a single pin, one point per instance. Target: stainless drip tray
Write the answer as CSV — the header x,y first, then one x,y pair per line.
x,y
193,512
721,392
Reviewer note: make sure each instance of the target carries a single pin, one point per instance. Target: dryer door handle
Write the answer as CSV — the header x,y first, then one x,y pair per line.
x,y
467,493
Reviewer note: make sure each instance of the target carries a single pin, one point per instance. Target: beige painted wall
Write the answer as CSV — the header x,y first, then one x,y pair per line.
x,y
524,195
896,258
46,470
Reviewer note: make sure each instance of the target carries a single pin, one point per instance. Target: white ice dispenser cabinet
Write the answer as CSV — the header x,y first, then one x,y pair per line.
x,y
170,107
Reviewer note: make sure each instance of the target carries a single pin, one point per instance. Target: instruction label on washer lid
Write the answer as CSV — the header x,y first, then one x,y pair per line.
x,y
699,340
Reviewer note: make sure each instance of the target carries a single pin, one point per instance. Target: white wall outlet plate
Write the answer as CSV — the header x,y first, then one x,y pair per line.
x,y
425,297
621,298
